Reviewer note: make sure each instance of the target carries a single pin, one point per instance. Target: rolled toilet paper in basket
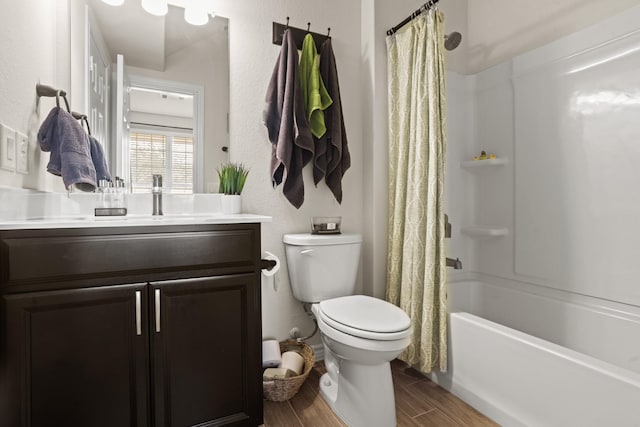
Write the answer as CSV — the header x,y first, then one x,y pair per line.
x,y
277,373
293,361
271,354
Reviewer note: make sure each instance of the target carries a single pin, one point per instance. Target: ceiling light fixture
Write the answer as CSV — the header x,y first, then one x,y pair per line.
x,y
195,12
155,7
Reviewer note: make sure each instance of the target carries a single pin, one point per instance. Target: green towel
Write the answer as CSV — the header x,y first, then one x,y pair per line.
x,y
315,97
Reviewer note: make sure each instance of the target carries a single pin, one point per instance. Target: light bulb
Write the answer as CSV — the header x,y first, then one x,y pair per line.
x,y
155,7
195,13
114,2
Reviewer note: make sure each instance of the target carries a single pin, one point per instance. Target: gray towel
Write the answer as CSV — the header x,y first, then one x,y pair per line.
x,y
70,156
332,158
99,162
286,121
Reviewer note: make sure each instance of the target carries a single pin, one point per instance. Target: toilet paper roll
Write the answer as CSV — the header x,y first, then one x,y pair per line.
x,y
274,270
293,361
271,354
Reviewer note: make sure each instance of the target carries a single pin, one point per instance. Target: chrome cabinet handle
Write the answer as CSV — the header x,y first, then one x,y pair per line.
x,y
157,295
138,314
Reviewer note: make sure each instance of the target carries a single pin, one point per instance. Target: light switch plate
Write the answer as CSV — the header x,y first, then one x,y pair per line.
x,y
7,148
22,153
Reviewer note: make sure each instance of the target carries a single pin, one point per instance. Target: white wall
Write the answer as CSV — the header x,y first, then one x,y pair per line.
x,y
37,52
253,57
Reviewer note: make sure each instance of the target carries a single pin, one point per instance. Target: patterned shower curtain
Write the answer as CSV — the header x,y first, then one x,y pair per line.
x,y
416,278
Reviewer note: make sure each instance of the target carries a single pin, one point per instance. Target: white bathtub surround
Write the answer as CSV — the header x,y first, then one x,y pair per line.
x,y
416,278
562,277
588,376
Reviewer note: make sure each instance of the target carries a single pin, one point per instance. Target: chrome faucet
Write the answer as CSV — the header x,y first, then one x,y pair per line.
x,y
455,263
157,194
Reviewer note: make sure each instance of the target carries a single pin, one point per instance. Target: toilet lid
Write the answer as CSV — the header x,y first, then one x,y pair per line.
x,y
365,317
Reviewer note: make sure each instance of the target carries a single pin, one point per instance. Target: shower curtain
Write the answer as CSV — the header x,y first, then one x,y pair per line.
x,y
416,277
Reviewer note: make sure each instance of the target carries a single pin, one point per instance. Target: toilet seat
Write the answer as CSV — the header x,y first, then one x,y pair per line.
x,y
365,317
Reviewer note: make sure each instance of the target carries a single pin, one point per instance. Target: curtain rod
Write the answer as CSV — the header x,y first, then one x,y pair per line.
x,y
428,5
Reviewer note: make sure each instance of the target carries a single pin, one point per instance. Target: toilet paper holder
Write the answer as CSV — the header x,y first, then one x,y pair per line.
x,y
267,264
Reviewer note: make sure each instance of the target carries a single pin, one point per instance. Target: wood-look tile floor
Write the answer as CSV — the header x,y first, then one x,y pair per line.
x,y
419,402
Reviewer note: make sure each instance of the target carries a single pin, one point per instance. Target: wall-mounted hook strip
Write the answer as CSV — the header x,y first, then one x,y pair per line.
x,y
298,34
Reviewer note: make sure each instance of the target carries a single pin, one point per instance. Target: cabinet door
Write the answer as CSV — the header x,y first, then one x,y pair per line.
x,y
206,350
76,358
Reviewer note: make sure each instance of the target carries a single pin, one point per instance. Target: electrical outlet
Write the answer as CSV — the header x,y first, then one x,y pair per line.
x,y
7,148
22,153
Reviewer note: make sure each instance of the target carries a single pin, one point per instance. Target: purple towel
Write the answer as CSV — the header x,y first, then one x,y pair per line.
x,y
287,124
70,156
332,158
99,162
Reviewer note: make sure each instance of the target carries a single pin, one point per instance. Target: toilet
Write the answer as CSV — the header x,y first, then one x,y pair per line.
x,y
360,334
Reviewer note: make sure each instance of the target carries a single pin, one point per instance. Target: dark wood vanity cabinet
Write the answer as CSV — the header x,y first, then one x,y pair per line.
x,y
137,326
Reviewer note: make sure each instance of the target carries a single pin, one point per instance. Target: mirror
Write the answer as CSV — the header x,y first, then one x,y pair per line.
x,y
149,78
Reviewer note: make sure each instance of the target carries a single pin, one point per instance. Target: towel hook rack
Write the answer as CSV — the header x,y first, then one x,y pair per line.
x,y
83,120
298,34
48,91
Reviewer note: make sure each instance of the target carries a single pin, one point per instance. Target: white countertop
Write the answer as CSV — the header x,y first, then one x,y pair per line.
x,y
30,209
130,221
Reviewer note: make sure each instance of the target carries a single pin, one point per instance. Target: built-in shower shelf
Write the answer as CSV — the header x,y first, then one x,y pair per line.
x,y
483,165
484,231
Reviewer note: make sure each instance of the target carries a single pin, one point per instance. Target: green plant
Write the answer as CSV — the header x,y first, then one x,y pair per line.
x,y
232,178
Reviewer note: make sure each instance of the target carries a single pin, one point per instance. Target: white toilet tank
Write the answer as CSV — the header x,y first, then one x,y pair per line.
x,y
322,266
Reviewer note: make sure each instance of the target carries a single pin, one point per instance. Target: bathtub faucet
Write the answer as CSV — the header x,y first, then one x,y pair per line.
x,y
455,263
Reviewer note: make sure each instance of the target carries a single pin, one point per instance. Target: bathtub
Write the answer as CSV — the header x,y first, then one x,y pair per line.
x,y
525,355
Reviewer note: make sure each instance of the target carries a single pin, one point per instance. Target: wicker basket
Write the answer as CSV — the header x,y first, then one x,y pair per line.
x,y
281,389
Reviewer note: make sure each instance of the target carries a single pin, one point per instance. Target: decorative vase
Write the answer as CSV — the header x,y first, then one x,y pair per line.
x,y
231,204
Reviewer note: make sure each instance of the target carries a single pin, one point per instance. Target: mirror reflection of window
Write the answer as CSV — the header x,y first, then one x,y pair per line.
x,y
161,140
189,57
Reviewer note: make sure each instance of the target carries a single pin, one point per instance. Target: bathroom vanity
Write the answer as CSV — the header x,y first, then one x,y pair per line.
x,y
139,325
